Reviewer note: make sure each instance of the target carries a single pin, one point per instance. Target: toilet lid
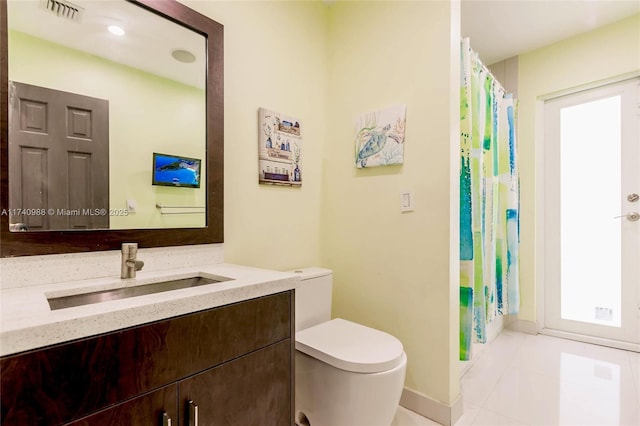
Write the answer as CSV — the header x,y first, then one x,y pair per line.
x,y
350,346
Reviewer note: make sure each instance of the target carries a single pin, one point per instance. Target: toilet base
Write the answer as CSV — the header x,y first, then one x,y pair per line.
x,y
328,396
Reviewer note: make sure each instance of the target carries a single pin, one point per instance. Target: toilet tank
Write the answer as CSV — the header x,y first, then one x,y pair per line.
x,y
313,297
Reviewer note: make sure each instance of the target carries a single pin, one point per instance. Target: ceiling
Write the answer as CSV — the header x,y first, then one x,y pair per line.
x,y
147,45
500,29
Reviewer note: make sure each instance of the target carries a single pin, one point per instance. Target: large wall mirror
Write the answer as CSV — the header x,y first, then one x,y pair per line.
x,y
112,125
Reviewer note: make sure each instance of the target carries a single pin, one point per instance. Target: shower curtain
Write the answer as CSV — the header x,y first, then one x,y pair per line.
x,y
489,201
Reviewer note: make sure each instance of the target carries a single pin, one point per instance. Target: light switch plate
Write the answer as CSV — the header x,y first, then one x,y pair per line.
x,y
131,206
407,201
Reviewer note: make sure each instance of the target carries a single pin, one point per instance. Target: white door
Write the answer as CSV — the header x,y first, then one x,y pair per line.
x,y
592,206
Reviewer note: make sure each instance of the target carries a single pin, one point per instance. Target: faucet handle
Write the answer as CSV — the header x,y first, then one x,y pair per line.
x,y
138,264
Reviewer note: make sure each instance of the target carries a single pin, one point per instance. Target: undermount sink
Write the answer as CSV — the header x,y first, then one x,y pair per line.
x,y
133,291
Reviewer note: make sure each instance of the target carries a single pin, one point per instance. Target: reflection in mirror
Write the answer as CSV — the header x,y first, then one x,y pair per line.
x,y
132,166
95,89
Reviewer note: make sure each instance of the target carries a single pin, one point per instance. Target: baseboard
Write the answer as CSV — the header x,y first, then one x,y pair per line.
x,y
523,326
627,346
495,327
427,407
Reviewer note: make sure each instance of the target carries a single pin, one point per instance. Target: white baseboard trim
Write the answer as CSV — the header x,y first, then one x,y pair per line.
x,y
627,346
495,327
427,407
523,326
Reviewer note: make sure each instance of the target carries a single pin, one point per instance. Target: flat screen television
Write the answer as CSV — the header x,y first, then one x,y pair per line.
x,y
175,170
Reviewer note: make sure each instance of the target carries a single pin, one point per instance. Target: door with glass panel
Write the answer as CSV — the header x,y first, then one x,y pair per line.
x,y
592,213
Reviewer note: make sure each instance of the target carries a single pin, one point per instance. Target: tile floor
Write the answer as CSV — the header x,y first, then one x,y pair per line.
x,y
521,379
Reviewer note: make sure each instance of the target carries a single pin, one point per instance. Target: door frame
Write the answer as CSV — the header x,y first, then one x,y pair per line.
x,y
540,212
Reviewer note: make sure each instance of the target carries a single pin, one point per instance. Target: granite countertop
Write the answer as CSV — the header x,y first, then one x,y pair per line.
x,y
27,321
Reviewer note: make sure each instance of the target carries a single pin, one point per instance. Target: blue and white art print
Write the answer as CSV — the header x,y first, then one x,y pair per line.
x,y
380,137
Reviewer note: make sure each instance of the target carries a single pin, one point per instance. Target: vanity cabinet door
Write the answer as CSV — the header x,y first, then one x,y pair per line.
x,y
158,408
61,383
253,390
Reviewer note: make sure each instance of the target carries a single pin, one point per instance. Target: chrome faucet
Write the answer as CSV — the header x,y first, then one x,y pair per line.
x,y
129,263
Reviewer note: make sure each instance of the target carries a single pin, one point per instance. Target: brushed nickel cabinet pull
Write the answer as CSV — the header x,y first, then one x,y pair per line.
x,y
193,413
166,420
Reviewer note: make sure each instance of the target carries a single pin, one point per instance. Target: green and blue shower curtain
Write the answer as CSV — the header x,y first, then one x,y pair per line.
x,y
489,201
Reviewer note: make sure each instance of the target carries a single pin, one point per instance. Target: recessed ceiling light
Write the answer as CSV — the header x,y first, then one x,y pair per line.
x,y
184,56
114,29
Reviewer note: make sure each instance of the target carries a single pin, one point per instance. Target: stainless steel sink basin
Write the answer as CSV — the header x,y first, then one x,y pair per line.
x,y
133,291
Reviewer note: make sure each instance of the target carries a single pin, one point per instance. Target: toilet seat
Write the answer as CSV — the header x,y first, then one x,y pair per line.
x,y
350,346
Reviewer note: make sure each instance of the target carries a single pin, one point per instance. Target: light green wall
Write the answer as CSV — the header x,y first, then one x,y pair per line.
x,y
274,57
396,271
606,52
147,114
325,65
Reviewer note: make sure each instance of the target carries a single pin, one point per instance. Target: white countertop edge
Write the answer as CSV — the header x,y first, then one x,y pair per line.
x,y
28,323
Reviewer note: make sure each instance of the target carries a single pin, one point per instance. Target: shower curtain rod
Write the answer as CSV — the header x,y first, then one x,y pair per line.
x,y
495,79
486,68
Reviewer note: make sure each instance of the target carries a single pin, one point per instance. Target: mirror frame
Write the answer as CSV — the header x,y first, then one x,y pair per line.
x,y
54,242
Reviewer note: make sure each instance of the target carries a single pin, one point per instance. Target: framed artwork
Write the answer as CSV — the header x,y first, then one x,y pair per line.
x,y
380,137
279,149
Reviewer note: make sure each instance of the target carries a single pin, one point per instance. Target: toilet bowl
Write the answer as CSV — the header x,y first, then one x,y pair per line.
x,y
346,374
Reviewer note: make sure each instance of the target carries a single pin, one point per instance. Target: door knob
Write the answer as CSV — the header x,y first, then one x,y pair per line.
x,y
633,216
633,198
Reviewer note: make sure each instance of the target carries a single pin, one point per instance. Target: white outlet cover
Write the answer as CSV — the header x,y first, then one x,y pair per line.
x,y
131,206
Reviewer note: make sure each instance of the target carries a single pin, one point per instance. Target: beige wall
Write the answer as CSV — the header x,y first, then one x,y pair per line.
x,y
325,65
600,54
392,269
274,56
134,133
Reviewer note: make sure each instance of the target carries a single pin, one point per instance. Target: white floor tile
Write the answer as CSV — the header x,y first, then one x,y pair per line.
x,y
489,418
468,416
541,354
528,397
522,379
634,361
588,405
485,371
476,384
406,417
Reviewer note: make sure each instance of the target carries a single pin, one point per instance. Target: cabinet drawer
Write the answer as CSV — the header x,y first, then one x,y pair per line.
x,y
212,337
65,382
145,410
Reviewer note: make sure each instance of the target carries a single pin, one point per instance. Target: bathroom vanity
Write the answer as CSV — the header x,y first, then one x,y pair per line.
x,y
218,354
215,354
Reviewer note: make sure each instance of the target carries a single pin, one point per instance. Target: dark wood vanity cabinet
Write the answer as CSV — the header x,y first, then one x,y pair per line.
x,y
149,409
235,363
261,378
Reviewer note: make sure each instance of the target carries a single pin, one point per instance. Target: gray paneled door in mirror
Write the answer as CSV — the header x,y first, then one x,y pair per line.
x,y
162,87
58,160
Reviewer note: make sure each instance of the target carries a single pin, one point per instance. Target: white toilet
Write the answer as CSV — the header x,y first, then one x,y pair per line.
x,y
346,374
